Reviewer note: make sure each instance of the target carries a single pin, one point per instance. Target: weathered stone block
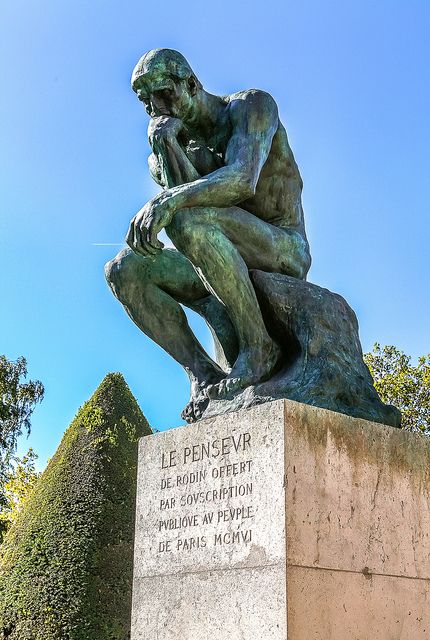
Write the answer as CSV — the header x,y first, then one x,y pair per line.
x,y
330,529
210,531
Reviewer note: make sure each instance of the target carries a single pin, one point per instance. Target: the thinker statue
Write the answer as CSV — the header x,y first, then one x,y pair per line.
x,y
231,203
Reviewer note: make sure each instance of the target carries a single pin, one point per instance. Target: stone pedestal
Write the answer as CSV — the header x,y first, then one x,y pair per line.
x,y
281,522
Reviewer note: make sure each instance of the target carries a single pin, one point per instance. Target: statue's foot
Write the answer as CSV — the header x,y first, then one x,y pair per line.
x,y
195,408
251,367
199,399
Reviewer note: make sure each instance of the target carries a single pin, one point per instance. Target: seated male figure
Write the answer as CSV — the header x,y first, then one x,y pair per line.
x,y
231,202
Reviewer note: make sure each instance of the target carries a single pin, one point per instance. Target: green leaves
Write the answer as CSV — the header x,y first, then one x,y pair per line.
x,y
19,484
17,401
402,384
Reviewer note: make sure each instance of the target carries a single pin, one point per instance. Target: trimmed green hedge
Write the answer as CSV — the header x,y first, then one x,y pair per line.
x,y
67,561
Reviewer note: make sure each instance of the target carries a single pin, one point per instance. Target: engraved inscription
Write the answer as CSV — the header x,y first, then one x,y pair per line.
x,y
206,493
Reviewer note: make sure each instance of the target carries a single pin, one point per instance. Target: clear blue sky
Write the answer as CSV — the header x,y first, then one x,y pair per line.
x,y
352,83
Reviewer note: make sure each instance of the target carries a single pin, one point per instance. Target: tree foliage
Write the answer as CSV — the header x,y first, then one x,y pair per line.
x,y
20,481
17,402
402,384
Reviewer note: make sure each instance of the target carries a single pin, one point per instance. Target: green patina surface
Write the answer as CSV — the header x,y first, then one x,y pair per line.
x,y
67,562
231,203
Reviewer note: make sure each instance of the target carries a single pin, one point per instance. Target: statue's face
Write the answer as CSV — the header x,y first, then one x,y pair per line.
x,y
163,95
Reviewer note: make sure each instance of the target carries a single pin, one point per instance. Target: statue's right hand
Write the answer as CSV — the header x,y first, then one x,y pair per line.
x,y
144,228
164,128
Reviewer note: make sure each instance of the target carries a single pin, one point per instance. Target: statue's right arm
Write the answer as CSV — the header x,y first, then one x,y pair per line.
x,y
168,164
155,171
254,119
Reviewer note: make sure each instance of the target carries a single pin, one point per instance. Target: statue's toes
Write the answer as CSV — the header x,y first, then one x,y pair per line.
x,y
197,412
195,408
230,386
211,391
188,413
217,391
223,389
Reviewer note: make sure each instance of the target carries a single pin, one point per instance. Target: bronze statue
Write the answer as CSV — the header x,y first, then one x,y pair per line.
x,y
231,204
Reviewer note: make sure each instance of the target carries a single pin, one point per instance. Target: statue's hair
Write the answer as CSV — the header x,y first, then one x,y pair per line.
x,y
166,61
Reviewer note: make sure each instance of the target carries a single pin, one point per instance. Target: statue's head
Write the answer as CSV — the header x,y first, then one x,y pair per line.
x,y
164,81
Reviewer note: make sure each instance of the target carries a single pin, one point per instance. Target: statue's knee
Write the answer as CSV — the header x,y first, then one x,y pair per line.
x,y
301,258
307,263
111,271
118,270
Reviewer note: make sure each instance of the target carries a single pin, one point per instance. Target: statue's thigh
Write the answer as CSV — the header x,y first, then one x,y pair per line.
x,y
130,275
273,249
261,244
172,272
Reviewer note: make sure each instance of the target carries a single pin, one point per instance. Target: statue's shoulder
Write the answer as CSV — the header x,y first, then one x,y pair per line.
x,y
251,101
249,96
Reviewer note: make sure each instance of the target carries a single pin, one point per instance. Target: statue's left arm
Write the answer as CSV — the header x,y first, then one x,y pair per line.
x,y
254,119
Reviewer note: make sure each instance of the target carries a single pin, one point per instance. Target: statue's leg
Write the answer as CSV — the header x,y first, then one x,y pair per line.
x,y
150,289
223,244
223,332
171,165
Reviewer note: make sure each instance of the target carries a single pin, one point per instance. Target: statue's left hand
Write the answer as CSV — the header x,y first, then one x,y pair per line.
x,y
147,224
